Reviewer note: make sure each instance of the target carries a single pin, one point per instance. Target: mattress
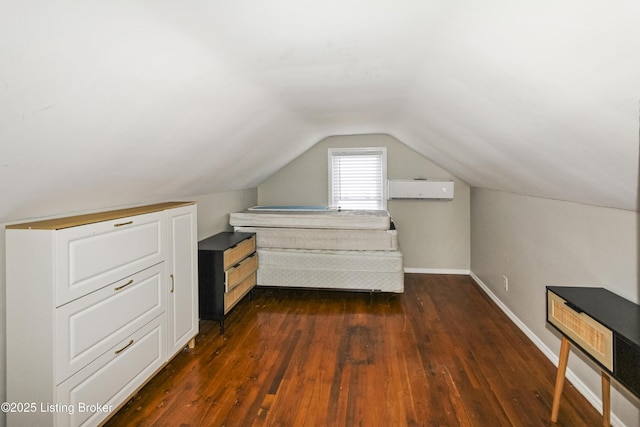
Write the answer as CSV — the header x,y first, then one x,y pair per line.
x,y
331,219
326,269
290,208
315,238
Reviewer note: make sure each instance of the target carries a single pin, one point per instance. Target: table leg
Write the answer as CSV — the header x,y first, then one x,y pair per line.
x,y
562,368
606,399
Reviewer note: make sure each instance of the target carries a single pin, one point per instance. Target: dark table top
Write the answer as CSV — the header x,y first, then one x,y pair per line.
x,y
222,241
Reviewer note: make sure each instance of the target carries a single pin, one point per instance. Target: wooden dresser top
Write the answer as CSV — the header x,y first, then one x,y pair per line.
x,y
74,221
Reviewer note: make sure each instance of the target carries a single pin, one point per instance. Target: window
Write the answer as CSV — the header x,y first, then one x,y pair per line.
x,y
357,177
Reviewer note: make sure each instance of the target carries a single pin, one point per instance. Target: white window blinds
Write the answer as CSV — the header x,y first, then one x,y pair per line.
x,y
357,177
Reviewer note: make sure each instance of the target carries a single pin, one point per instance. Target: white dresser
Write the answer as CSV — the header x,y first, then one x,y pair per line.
x,y
96,305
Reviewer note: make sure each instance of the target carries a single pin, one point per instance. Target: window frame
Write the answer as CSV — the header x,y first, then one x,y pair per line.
x,y
359,151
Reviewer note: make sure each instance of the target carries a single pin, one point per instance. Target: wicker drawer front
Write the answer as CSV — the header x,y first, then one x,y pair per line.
x,y
236,294
236,274
234,255
593,337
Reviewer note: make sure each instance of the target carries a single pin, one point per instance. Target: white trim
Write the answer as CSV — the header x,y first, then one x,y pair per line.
x,y
437,271
588,394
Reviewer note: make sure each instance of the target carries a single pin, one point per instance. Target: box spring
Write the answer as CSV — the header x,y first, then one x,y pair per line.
x,y
326,269
313,238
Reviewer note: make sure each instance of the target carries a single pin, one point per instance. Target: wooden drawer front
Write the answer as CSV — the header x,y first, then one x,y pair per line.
x,y
92,256
593,337
232,298
234,255
114,376
236,274
89,326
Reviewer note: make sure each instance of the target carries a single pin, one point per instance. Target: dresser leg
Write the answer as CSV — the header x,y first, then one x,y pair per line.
x,y
606,399
562,368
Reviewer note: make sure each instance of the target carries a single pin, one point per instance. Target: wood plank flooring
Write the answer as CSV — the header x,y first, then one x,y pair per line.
x,y
441,354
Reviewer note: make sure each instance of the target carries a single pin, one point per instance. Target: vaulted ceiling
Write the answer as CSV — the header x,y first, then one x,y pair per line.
x,y
128,101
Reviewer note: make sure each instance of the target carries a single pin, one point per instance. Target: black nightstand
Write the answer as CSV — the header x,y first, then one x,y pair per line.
x,y
227,265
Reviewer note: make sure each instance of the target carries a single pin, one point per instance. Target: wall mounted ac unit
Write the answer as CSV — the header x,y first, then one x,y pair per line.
x,y
420,189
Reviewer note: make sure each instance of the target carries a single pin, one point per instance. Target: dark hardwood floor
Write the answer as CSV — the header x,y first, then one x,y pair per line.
x,y
441,354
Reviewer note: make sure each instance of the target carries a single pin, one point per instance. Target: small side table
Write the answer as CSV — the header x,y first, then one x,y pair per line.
x,y
606,327
227,265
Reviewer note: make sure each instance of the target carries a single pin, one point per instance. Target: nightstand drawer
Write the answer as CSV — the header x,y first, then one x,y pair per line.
x,y
236,294
593,337
234,255
236,274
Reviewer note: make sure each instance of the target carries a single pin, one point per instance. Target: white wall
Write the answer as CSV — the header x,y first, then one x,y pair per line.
x,y
538,242
214,210
213,217
433,235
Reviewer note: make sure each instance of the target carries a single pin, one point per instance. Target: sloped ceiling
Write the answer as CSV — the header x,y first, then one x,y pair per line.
x,y
123,102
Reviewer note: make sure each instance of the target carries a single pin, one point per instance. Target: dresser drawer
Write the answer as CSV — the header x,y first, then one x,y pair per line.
x,y
89,326
239,252
114,376
231,298
94,255
589,334
239,272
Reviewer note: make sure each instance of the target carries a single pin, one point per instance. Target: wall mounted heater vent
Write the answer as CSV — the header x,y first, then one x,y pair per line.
x,y
420,189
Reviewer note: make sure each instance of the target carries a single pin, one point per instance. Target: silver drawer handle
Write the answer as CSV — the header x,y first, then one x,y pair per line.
x,y
123,286
124,348
123,223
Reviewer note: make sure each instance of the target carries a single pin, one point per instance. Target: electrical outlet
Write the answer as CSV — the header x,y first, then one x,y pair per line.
x,y
505,282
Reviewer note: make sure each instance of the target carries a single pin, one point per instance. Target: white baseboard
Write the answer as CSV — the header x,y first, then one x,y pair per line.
x,y
437,271
591,397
